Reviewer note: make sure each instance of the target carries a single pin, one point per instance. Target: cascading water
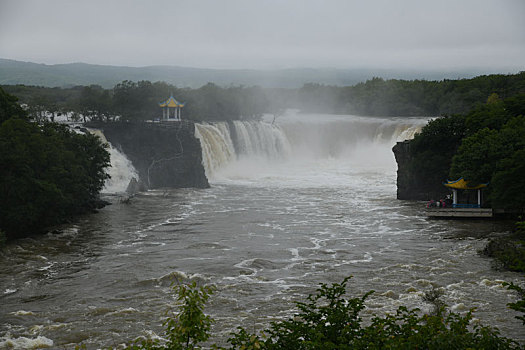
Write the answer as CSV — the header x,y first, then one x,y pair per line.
x,y
231,150
217,146
259,140
121,171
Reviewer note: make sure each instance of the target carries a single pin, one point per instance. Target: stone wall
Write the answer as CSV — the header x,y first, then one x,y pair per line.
x,y
164,154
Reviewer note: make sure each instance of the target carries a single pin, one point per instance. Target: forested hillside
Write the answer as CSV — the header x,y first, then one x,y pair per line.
x,y
14,72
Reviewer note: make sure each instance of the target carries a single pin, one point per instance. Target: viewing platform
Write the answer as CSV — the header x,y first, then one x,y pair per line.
x,y
466,213
450,208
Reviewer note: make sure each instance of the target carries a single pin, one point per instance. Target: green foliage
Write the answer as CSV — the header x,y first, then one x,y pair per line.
x,y
329,319
477,156
409,98
9,108
508,183
484,145
495,154
375,97
189,327
432,149
492,116
48,173
520,304
509,250
96,103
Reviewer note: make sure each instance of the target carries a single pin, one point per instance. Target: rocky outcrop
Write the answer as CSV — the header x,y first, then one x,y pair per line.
x,y
164,154
410,184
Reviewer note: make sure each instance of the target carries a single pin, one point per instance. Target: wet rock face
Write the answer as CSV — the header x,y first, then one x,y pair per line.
x,y
410,184
164,154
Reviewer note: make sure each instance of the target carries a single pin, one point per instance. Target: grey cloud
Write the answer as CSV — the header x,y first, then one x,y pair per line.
x,y
263,34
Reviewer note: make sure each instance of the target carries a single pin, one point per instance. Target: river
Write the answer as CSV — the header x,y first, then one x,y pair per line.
x,y
305,200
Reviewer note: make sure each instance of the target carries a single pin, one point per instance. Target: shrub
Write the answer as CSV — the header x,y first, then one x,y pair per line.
x,y
329,319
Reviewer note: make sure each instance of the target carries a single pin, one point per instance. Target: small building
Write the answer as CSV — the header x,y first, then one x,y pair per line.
x,y
469,210
171,109
461,184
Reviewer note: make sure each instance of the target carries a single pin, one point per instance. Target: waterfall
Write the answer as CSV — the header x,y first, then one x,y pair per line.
x,y
253,139
261,138
248,148
121,170
217,145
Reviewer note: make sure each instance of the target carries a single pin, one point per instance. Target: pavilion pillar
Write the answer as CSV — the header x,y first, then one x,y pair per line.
x,y
479,197
454,197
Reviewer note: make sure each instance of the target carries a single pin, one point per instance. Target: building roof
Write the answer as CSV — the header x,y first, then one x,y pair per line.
x,y
461,184
171,102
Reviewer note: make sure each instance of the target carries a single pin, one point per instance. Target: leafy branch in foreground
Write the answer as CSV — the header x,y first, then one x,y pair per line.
x,y
330,320
520,304
189,327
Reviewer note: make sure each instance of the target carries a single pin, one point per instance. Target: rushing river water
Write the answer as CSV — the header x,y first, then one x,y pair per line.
x,y
310,199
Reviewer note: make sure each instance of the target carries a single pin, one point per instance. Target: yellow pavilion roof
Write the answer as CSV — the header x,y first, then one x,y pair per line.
x,y
171,102
461,184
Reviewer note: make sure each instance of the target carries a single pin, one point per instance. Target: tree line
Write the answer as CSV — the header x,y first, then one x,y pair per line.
x,y
48,172
485,145
134,101
394,97
138,101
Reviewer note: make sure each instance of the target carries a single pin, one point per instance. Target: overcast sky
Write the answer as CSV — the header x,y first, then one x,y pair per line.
x,y
419,34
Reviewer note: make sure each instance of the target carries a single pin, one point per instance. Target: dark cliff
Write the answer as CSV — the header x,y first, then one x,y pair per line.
x,y
164,154
410,183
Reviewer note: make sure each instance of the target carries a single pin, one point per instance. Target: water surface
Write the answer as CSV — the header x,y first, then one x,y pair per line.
x,y
315,205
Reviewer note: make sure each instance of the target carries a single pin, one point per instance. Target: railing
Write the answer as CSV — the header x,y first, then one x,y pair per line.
x,y
465,206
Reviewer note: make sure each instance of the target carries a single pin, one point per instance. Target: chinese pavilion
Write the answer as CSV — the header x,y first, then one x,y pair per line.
x,y
461,184
171,109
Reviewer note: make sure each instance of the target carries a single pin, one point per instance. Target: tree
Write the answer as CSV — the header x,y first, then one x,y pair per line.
x,y
495,156
187,328
432,149
508,184
493,98
9,107
47,174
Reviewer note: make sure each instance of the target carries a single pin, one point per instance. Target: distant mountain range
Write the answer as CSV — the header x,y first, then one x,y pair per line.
x,y
71,74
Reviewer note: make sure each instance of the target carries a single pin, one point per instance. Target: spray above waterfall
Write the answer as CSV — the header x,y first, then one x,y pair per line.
x,y
256,149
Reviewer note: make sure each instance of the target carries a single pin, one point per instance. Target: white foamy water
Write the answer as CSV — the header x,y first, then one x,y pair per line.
x,y
307,149
121,169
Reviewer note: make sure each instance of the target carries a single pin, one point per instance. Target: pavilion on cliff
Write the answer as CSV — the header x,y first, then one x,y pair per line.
x,y
171,109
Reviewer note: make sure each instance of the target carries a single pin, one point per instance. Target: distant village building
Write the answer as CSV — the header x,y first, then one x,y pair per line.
x,y
171,109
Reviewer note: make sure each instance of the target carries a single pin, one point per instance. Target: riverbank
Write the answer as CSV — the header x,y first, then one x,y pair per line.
x,y
509,250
